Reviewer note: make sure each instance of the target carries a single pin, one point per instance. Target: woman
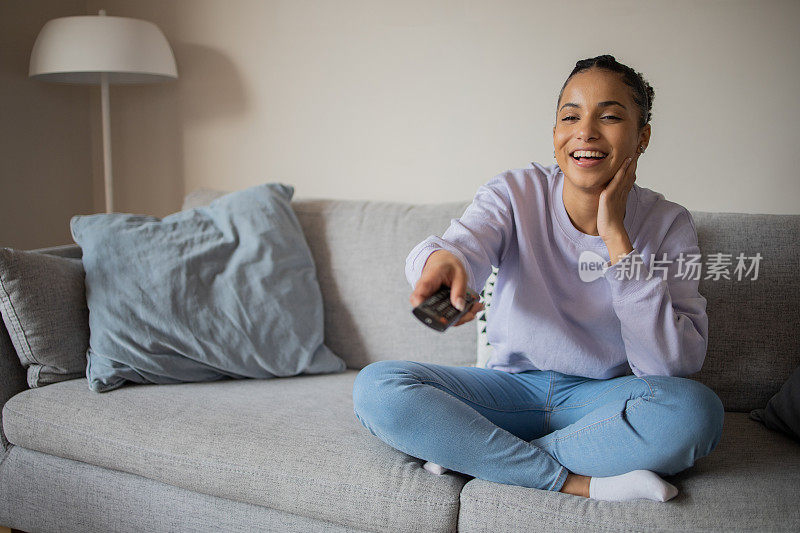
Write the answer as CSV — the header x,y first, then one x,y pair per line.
x,y
583,394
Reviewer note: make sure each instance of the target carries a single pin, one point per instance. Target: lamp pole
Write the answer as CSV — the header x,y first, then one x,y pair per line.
x,y
106,110
106,142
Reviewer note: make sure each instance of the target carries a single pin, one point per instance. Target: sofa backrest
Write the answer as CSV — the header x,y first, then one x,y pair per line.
x,y
754,339
360,249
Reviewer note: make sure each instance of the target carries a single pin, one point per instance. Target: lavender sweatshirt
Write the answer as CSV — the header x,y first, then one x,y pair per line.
x,y
599,321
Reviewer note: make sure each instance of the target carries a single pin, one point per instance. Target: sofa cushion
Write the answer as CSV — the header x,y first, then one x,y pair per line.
x,y
43,303
41,492
292,444
359,248
748,483
226,290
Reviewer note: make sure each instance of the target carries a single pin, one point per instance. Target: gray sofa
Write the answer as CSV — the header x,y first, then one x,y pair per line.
x,y
288,454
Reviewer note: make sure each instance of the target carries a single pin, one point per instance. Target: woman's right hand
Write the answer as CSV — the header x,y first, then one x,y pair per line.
x,y
442,267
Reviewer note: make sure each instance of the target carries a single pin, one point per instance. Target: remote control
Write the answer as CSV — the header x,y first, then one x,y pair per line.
x,y
438,313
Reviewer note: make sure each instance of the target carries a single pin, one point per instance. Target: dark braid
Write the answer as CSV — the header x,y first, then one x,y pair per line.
x,y
643,93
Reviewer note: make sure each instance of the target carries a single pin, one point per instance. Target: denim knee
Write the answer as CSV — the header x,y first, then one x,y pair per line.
x,y
705,414
699,415
370,385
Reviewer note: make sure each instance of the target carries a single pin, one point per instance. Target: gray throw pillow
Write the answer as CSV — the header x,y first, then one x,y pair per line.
x,y
225,290
783,410
43,304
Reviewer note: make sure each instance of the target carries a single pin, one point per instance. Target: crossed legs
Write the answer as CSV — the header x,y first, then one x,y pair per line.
x,y
537,429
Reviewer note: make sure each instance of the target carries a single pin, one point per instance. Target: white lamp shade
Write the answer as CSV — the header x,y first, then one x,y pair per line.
x,y
78,49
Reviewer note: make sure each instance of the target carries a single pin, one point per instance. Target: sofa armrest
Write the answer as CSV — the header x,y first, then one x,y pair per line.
x,y
12,380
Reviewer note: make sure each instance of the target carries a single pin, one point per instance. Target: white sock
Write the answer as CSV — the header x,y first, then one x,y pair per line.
x,y
433,468
637,484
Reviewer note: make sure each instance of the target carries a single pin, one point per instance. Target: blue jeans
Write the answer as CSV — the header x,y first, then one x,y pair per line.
x,y
532,428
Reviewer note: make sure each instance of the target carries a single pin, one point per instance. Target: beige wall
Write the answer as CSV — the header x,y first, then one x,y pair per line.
x,y
423,101
45,152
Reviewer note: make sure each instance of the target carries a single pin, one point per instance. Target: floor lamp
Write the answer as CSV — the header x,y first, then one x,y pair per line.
x,y
101,50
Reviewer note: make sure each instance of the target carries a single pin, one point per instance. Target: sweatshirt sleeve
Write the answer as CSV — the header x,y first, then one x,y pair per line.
x,y
478,239
663,318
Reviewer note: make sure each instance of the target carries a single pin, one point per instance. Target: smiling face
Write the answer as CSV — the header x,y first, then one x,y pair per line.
x,y
596,116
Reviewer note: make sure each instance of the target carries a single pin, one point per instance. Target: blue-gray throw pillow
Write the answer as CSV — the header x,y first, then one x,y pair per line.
x,y
228,290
